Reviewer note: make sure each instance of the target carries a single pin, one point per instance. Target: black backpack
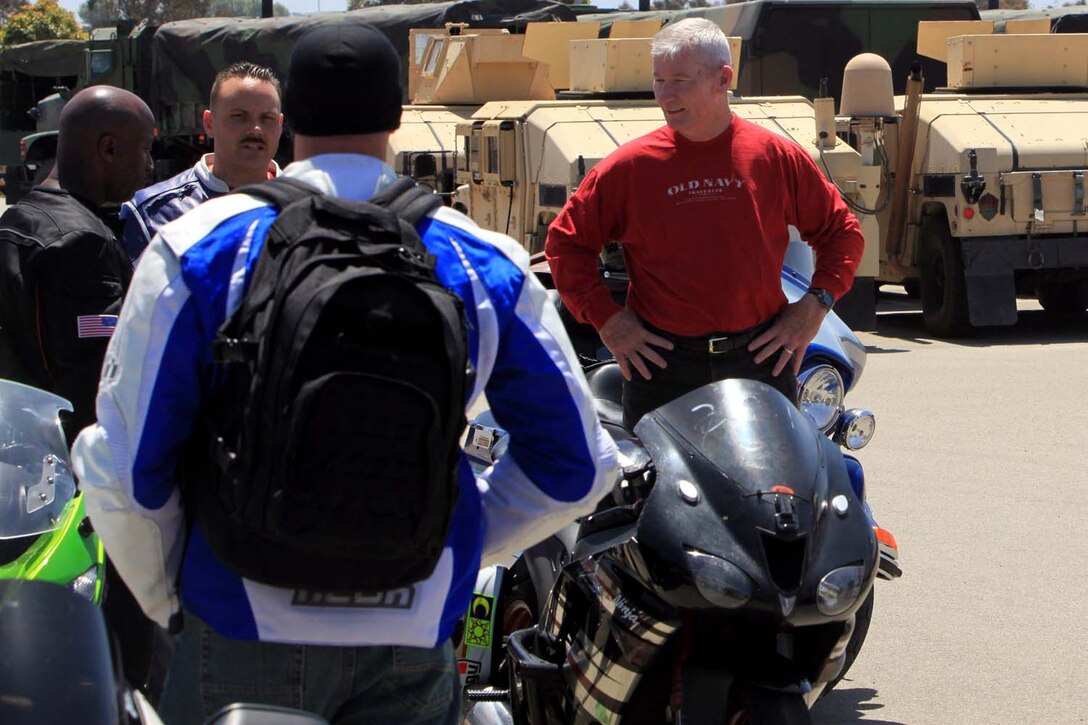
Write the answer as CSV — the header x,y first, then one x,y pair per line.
x,y
327,457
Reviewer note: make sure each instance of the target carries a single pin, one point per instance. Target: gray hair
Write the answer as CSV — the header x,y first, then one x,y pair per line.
x,y
699,35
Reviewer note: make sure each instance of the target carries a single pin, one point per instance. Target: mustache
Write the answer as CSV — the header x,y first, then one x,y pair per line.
x,y
253,139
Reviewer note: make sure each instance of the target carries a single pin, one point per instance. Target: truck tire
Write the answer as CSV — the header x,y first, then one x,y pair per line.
x,y
1067,297
943,288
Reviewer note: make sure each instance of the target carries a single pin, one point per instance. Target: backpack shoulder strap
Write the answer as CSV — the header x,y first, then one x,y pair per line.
x,y
281,192
408,199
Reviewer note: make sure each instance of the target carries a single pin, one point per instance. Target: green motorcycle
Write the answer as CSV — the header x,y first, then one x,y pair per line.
x,y
45,534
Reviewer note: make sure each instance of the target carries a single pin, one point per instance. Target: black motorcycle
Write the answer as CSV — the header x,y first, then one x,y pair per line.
x,y
722,582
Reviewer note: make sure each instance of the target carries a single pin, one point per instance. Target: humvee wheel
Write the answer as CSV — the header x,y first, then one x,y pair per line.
x,y
943,288
1064,297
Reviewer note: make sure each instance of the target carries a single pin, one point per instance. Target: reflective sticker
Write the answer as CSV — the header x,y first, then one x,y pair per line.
x,y
478,623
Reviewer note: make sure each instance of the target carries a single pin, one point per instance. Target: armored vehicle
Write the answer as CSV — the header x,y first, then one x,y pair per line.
x,y
990,176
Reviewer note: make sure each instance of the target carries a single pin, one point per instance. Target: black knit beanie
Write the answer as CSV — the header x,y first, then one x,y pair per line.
x,y
343,79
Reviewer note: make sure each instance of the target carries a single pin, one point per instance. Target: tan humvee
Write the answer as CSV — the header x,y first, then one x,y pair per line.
x,y
993,202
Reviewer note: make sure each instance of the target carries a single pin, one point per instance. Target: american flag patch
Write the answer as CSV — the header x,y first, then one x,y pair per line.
x,y
96,325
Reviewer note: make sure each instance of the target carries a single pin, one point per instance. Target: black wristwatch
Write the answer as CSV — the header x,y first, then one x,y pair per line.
x,y
823,297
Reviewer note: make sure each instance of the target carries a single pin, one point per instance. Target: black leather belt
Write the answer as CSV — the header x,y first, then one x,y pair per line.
x,y
715,343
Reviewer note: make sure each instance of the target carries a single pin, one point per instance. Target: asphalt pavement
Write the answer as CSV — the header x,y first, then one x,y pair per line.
x,y
979,467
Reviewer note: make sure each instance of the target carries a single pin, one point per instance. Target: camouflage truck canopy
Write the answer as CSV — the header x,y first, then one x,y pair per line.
x,y
790,45
187,54
44,58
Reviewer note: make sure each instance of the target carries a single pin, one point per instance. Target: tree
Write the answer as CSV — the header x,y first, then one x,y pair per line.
x,y
99,13
9,8
104,13
44,20
625,6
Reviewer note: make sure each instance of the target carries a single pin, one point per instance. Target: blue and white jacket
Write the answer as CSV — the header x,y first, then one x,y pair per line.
x,y
159,204
157,369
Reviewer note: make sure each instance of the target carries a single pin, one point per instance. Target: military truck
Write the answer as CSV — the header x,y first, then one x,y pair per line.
x,y
990,176
34,80
172,66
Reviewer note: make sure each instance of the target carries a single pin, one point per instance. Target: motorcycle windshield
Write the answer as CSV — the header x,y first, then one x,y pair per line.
x,y
35,477
747,430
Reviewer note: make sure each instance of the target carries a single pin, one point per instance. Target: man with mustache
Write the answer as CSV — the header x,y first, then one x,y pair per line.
x,y
244,122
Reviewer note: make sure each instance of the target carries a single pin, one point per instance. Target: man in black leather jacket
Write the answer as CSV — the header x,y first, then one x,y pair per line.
x,y
63,272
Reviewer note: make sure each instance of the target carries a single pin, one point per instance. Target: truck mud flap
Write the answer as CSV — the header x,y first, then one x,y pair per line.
x,y
990,285
991,299
989,263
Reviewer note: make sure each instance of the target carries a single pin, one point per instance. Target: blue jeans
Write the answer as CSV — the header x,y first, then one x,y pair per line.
x,y
404,685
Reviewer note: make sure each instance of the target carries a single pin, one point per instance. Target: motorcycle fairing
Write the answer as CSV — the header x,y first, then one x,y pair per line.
x,y
743,476
479,636
610,631
36,482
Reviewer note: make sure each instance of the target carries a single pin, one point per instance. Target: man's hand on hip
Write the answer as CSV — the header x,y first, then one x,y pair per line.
x,y
789,336
629,342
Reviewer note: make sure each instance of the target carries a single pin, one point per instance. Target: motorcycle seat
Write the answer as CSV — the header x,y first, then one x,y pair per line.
x,y
606,386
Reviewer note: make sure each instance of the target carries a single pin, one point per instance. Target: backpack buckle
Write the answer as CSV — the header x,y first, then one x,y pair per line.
x,y
233,350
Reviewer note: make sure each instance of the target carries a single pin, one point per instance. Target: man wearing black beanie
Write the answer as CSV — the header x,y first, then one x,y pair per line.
x,y
351,656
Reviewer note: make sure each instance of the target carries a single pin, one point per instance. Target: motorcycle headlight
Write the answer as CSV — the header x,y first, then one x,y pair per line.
x,y
822,393
720,582
839,589
856,429
86,583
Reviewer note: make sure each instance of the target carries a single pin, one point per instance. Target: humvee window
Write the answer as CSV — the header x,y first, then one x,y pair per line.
x,y
434,51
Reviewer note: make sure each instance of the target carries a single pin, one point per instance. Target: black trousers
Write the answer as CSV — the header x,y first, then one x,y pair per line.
x,y
691,365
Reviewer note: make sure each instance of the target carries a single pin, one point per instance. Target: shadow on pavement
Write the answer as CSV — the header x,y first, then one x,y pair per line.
x,y
900,318
847,706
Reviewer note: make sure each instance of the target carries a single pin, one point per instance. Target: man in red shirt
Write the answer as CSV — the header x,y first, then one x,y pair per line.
x,y
701,207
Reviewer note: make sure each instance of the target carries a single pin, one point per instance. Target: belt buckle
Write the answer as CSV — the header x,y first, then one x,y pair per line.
x,y
725,344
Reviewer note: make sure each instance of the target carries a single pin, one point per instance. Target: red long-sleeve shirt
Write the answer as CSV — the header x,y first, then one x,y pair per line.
x,y
703,228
